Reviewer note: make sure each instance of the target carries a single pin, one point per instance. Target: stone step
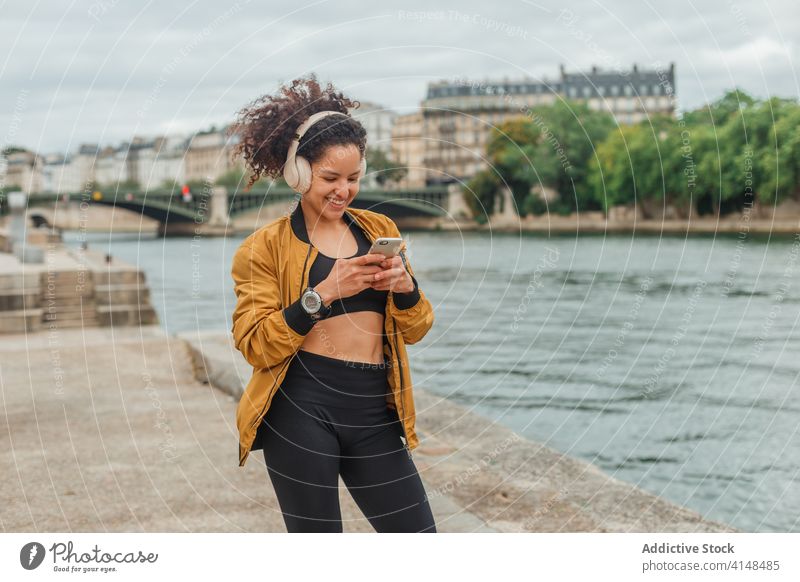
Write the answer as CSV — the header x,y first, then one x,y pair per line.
x,y
73,315
65,293
74,302
20,321
117,277
10,282
129,293
113,315
67,282
71,323
66,307
82,290
19,299
72,289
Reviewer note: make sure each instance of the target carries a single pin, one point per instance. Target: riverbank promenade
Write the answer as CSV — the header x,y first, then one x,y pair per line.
x,y
127,429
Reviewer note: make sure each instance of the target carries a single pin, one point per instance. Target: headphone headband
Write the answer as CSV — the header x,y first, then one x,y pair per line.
x,y
301,131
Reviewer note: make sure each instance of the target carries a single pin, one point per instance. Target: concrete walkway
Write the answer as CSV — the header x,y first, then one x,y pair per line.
x,y
481,476
108,429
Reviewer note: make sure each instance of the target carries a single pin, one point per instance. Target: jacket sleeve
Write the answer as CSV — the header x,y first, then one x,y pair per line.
x,y
411,311
263,331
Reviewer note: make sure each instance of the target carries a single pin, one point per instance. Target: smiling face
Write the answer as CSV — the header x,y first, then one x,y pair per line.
x,y
334,182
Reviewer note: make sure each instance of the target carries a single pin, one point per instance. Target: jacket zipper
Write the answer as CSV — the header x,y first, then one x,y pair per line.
x,y
400,398
397,354
288,361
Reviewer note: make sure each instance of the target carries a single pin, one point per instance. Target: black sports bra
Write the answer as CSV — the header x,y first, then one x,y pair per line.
x,y
368,299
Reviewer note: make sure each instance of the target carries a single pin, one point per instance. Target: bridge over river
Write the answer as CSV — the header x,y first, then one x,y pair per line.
x,y
214,210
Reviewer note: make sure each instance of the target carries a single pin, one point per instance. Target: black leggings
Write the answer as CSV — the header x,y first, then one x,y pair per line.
x,y
329,417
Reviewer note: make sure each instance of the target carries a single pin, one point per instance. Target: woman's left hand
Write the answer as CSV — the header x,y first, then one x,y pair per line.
x,y
394,277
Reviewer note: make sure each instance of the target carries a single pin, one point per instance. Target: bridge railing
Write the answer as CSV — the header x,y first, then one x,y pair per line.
x,y
196,206
434,198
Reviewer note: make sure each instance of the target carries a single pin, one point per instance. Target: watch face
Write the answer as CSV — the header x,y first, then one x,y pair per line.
x,y
311,302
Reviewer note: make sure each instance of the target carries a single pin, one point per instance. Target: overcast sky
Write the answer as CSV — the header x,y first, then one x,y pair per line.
x,y
75,72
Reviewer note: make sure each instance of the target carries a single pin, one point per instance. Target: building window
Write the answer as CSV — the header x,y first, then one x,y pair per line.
x,y
642,89
614,90
601,91
628,90
572,92
656,89
587,91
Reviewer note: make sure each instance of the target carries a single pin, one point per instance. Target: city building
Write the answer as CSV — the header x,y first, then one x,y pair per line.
x,y
71,172
57,173
111,166
408,149
160,162
378,122
630,97
457,116
24,171
209,156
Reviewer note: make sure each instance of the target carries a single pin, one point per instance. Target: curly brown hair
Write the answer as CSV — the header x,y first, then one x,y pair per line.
x,y
266,127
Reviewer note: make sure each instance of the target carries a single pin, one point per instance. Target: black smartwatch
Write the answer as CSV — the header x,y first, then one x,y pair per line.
x,y
311,303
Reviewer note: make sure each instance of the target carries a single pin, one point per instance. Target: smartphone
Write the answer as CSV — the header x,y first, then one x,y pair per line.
x,y
387,246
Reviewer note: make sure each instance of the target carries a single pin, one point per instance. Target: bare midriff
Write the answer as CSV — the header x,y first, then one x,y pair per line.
x,y
354,337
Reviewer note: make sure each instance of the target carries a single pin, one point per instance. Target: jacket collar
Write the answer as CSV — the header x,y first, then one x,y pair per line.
x,y
298,222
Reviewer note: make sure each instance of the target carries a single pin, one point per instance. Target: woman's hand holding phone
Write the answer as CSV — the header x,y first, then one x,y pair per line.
x,y
382,269
349,276
393,276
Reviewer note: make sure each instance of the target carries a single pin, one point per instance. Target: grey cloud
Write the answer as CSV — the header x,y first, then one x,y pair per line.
x,y
162,65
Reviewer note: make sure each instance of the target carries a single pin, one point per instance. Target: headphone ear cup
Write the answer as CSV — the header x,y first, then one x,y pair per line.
x,y
290,174
303,174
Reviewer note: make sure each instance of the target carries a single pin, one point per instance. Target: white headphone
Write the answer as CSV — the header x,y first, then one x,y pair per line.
x,y
297,170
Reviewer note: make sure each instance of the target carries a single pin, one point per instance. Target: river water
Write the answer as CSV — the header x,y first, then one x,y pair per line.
x,y
671,363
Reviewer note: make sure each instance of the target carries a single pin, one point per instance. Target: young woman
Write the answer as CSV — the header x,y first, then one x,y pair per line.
x,y
324,324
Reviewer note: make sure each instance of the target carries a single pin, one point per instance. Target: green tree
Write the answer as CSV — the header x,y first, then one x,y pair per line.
x,y
383,167
712,160
738,162
569,135
480,194
779,162
512,154
123,185
7,151
718,112
233,178
611,176
550,147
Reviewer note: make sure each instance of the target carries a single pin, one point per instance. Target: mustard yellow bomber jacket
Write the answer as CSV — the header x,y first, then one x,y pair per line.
x,y
270,270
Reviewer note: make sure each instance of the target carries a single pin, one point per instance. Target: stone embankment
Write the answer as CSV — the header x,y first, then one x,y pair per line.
x,y
67,288
127,429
